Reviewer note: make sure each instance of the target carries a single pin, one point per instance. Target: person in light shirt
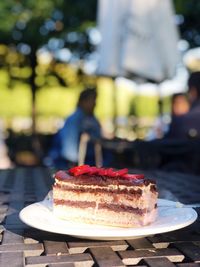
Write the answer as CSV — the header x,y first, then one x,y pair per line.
x,y
5,161
82,120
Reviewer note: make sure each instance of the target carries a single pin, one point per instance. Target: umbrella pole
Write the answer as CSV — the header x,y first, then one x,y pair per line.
x,y
160,106
114,94
160,102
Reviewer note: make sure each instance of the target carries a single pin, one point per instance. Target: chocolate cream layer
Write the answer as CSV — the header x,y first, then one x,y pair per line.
x,y
135,194
111,207
98,183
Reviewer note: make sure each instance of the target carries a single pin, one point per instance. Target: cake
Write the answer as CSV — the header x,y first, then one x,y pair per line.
x,y
104,196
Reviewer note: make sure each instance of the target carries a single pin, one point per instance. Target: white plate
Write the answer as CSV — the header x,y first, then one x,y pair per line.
x,y
170,217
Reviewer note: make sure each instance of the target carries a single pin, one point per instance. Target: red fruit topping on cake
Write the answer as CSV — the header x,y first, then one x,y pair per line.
x,y
110,172
121,172
93,170
78,170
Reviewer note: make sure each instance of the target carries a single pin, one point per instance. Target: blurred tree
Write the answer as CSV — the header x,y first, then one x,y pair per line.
x,y
188,20
28,25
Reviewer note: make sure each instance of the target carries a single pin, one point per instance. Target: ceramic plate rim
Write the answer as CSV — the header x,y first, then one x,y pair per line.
x,y
100,232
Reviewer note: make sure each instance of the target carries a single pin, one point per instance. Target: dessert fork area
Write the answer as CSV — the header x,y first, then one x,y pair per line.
x,y
22,245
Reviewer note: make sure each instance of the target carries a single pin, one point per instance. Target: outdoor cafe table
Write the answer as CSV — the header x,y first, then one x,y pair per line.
x,y
22,245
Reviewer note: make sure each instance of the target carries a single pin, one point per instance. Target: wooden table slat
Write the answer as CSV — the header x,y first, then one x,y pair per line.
x,y
188,265
135,256
105,257
140,243
82,246
77,259
184,235
159,262
13,237
55,248
12,259
191,250
62,265
28,249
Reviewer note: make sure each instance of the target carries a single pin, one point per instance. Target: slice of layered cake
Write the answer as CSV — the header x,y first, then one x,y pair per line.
x,y
104,196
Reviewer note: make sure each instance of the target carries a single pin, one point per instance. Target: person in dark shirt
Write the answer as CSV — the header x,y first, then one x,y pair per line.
x,y
188,125
179,106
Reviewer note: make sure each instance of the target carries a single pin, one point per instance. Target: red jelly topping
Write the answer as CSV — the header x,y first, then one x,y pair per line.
x,y
110,172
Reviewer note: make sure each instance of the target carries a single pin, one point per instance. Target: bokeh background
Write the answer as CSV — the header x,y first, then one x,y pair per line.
x,y
48,54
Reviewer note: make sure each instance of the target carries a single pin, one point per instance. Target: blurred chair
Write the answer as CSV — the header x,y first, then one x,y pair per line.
x,y
83,146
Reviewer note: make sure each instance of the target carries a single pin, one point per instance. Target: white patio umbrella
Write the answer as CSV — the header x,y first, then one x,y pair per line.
x,y
138,37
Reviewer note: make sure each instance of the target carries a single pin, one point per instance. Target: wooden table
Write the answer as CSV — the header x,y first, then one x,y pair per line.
x,y
22,245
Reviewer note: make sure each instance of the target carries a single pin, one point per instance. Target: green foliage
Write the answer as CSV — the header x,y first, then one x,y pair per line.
x,y
57,101
35,22
144,106
190,24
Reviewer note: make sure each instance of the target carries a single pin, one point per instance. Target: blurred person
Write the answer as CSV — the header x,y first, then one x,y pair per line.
x,y
5,161
188,125
65,149
179,106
